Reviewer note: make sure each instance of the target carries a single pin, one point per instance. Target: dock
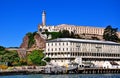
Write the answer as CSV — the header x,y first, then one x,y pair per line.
x,y
98,71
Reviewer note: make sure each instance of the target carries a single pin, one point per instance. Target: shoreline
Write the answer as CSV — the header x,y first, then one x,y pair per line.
x,y
36,71
19,72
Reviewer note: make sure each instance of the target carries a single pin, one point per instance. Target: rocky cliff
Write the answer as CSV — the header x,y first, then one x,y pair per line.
x,y
36,39
25,42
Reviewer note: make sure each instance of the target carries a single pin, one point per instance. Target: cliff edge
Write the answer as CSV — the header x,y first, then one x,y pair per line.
x,y
33,41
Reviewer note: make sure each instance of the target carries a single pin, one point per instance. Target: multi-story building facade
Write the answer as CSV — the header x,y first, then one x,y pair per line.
x,y
65,50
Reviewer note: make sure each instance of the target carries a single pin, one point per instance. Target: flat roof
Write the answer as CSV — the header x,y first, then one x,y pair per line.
x,y
82,40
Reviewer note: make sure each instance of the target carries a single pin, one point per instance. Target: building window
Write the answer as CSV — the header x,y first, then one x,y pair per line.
x,y
48,49
59,49
55,49
63,49
48,44
63,43
66,43
52,49
73,54
67,49
70,43
55,54
59,43
55,43
52,44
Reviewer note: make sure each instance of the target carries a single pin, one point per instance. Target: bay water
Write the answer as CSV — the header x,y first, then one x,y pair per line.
x,y
64,76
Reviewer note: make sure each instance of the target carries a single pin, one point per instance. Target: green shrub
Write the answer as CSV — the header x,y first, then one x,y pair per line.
x,y
47,59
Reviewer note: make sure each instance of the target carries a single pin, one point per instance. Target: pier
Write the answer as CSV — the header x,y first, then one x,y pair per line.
x,y
98,71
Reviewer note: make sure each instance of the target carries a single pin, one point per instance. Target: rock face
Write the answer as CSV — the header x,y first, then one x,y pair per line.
x,y
25,42
38,44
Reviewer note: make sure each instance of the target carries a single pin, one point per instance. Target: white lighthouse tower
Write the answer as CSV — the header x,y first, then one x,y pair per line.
x,y
43,18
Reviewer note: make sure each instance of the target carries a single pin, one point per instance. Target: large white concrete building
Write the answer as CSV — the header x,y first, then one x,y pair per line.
x,y
65,50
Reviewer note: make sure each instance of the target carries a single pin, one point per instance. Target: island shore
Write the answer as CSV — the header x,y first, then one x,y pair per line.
x,y
41,70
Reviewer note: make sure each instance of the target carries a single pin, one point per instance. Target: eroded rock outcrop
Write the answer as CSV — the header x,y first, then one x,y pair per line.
x,y
25,42
38,42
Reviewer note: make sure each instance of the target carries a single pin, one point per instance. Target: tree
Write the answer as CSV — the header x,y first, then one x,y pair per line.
x,y
110,34
2,48
64,34
54,35
9,57
22,62
36,57
72,35
47,59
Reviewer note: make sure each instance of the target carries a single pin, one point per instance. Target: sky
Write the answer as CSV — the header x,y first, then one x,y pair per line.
x,y
18,17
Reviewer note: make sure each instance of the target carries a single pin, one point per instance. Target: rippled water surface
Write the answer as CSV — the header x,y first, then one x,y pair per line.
x,y
64,76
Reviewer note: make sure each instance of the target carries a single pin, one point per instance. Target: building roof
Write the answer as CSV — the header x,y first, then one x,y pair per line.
x,y
83,41
68,25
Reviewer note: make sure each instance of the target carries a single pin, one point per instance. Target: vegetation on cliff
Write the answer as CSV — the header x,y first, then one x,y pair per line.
x,y
61,34
31,38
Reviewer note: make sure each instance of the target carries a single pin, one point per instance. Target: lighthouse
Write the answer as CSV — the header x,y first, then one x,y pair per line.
x,y
43,18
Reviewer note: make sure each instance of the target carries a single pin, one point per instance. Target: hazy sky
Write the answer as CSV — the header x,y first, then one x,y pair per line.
x,y
17,17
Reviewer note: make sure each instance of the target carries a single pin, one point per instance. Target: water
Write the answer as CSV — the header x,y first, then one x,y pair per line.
x,y
64,76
